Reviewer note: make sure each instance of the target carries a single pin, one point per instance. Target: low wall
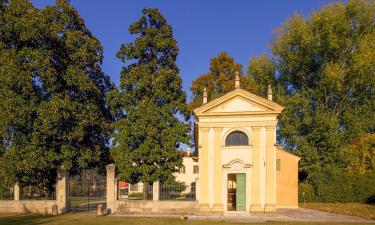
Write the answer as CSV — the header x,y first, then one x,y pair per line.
x,y
155,207
27,206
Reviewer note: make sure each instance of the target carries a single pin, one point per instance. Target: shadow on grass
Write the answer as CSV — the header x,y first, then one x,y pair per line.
x,y
24,219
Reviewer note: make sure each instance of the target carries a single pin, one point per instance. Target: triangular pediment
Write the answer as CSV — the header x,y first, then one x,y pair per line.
x,y
239,101
237,104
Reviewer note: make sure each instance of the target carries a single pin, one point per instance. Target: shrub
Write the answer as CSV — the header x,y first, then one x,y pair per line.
x,y
334,185
136,196
306,193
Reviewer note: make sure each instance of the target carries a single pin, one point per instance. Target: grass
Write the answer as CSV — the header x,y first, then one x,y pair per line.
x,y
82,219
353,209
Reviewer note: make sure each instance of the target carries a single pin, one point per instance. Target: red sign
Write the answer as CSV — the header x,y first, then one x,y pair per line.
x,y
122,185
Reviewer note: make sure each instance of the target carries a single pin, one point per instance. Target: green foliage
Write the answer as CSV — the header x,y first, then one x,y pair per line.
x,y
360,154
334,185
306,193
219,81
325,77
148,102
261,70
6,193
52,93
136,196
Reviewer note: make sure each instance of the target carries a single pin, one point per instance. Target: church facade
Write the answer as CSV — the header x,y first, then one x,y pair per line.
x,y
240,166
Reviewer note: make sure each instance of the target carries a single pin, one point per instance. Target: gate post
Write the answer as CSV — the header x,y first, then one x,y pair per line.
x,y
62,190
111,188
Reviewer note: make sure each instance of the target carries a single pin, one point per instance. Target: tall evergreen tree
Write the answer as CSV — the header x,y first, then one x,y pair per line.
x,y
148,103
52,93
325,74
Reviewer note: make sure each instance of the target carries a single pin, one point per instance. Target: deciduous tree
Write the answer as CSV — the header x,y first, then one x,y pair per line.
x,y
325,70
219,80
360,154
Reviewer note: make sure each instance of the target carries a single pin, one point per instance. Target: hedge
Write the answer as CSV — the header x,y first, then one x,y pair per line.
x,y
333,185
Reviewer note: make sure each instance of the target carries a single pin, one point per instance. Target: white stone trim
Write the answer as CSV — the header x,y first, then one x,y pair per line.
x,y
246,168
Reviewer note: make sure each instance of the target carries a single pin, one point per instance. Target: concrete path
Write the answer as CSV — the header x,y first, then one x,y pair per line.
x,y
300,214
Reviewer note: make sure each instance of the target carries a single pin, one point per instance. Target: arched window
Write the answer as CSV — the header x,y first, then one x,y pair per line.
x,y
236,138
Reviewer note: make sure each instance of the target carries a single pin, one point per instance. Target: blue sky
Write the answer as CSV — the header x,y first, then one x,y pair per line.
x,y
242,28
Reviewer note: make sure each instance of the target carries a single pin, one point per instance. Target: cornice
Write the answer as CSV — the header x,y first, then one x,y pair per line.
x,y
274,107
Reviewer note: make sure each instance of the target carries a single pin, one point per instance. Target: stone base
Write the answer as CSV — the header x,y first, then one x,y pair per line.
x,y
270,208
204,207
217,207
256,208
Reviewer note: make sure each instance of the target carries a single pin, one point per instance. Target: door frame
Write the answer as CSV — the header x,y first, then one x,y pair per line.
x,y
237,166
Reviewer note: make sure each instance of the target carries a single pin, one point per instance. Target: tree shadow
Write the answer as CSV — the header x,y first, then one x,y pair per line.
x,y
371,199
23,219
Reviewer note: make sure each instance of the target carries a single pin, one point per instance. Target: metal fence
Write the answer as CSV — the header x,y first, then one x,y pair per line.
x,y
87,190
37,193
177,192
6,193
85,197
140,191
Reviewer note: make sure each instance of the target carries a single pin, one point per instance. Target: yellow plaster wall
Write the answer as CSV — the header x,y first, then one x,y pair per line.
x,y
287,179
255,116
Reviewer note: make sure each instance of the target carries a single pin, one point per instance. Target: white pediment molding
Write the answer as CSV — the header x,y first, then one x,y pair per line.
x,y
239,101
237,161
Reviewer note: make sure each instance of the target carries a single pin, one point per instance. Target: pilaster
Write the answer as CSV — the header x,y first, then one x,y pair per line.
x,y
203,170
270,169
255,181
218,171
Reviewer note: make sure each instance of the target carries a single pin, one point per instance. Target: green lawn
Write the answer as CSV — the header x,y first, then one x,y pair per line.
x,y
81,219
353,209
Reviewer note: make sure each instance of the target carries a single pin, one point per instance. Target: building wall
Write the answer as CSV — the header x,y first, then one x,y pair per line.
x,y
287,179
245,153
189,176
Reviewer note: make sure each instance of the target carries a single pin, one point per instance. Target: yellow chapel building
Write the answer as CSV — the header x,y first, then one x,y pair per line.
x,y
240,166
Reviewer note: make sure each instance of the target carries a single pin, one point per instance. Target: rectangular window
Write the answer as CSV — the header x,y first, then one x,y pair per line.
x,y
182,169
196,169
278,164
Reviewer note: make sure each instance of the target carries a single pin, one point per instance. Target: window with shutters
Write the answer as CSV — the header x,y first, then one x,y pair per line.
x,y
182,169
196,169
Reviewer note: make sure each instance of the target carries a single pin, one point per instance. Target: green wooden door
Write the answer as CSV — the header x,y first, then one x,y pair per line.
x,y
241,192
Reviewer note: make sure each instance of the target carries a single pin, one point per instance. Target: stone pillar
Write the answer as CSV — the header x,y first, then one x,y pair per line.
x,y
62,190
255,181
155,191
270,205
218,172
16,192
203,170
111,188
